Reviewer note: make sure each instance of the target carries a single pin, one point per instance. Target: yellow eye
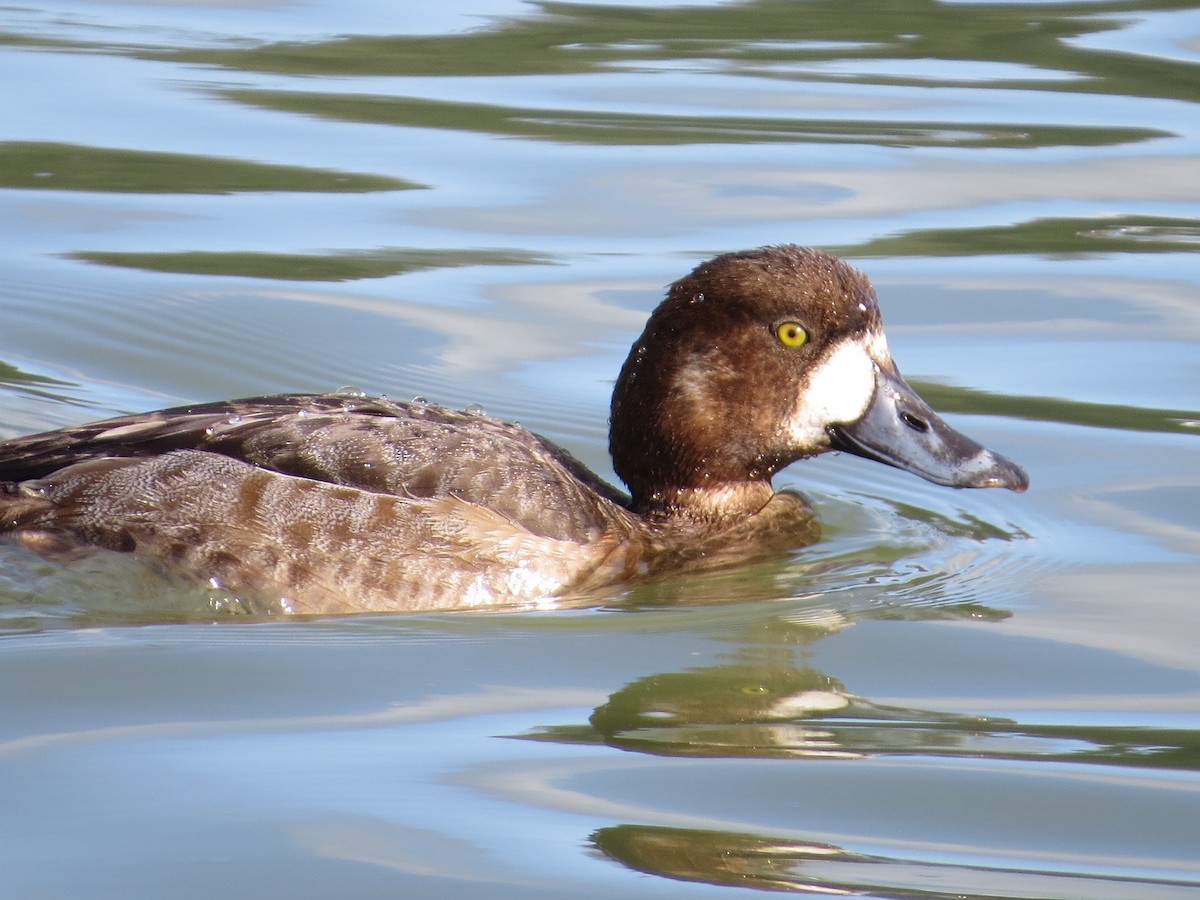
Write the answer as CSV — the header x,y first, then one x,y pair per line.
x,y
791,334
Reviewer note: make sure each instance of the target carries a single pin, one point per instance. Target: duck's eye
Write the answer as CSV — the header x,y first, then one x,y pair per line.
x,y
791,334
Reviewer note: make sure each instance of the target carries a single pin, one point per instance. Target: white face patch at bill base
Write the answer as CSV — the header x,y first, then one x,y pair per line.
x,y
838,391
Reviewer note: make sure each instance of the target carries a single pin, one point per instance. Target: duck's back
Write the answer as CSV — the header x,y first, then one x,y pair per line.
x,y
323,497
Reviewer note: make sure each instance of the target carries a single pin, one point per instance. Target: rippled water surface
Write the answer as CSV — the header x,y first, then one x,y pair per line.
x,y
974,694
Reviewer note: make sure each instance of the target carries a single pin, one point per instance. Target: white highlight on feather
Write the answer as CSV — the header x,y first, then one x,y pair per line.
x,y
694,378
839,390
876,345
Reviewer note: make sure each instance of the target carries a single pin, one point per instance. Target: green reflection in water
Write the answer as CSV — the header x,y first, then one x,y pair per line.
x,y
623,128
1043,237
10,374
12,39
765,706
19,381
946,398
772,863
767,38
309,267
70,167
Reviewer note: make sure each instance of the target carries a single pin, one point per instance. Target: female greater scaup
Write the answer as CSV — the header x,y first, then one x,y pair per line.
x,y
336,504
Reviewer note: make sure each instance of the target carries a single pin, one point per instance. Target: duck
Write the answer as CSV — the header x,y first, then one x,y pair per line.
x,y
330,504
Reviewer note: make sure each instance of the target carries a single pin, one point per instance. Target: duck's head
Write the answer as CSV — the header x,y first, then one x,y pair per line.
x,y
760,358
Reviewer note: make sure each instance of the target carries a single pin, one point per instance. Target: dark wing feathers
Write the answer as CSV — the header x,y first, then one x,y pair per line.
x,y
415,450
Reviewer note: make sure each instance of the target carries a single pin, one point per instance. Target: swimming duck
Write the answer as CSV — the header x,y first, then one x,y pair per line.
x,y
332,503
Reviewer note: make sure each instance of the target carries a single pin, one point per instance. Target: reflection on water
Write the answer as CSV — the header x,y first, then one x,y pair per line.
x,y
27,382
1110,234
1050,409
772,708
759,711
60,167
745,38
625,129
950,695
774,864
312,267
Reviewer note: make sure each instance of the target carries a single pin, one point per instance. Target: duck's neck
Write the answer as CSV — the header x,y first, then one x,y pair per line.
x,y
716,504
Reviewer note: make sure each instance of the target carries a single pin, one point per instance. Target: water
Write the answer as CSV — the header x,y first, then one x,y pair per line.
x,y
955,694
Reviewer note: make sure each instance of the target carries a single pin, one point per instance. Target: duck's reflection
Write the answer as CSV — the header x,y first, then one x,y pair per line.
x,y
758,710
714,857
803,867
767,701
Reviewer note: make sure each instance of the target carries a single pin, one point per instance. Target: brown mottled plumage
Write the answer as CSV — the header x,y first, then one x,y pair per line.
x,y
340,504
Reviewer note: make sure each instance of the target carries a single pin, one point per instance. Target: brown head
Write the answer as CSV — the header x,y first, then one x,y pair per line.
x,y
757,359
